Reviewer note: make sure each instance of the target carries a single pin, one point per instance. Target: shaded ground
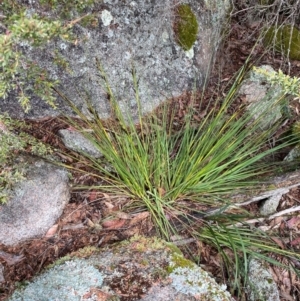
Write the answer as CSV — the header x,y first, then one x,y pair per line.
x,y
84,221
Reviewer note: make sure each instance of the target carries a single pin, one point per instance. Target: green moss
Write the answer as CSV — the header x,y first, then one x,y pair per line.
x,y
185,26
59,262
66,8
178,261
284,39
85,252
142,244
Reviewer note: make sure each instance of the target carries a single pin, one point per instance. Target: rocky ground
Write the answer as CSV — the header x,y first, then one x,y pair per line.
x,y
79,225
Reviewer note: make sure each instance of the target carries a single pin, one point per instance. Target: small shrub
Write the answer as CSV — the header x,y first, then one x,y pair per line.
x,y
13,145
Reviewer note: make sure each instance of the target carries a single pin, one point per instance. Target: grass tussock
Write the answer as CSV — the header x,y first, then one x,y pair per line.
x,y
179,176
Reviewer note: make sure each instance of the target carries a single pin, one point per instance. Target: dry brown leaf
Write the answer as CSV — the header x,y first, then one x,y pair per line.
x,y
286,296
286,280
176,237
295,242
52,231
274,273
293,222
11,258
101,295
106,196
139,217
264,228
275,222
73,226
161,192
3,127
109,206
93,226
113,224
131,231
123,215
278,241
93,195
90,223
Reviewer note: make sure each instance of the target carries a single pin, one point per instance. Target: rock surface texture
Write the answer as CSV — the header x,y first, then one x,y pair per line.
x,y
261,95
78,143
262,285
140,269
139,34
35,203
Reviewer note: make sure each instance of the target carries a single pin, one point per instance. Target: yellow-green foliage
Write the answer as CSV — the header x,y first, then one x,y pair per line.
x,y
142,244
10,146
67,8
17,72
289,85
284,39
296,130
185,26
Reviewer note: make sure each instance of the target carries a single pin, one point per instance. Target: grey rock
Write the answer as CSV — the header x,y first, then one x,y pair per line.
x,y
270,205
75,141
261,97
147,269
70,281
130,33
294,154
35,203
2,279
262,285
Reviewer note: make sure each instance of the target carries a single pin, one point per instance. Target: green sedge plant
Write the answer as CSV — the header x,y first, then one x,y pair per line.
x,y
181,176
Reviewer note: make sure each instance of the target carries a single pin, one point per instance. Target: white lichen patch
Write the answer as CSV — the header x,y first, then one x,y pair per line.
x,y
261,283
106,17
165,36
197,282
69,281
190,53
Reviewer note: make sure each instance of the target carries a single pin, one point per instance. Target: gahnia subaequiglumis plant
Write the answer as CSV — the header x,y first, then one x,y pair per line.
x,y
179,176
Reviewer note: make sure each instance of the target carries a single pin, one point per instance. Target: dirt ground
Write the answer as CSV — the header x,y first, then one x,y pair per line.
x,y
79,226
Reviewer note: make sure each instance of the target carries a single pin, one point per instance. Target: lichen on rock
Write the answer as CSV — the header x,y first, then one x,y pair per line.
x,y
141,268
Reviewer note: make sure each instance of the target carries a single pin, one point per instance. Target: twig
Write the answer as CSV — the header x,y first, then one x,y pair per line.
x,y
262,219
283,212
282,185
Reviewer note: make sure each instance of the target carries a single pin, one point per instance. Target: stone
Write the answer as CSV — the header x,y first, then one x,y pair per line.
x,y
145,269
130,34
262,285
35,203
75,141
69,281
270,205
2,279
294,154
260,97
